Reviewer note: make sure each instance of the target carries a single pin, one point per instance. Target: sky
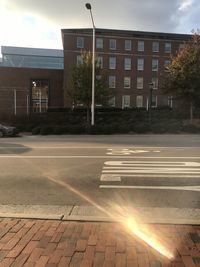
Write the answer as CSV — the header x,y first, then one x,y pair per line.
x,y
38,23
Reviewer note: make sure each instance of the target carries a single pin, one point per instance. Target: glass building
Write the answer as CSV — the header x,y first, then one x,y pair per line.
x,y
23,57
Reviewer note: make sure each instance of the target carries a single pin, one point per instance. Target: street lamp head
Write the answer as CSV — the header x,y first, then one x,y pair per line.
x,y
88,6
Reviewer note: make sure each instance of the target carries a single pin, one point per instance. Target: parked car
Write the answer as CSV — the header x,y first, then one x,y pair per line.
x,y
6,130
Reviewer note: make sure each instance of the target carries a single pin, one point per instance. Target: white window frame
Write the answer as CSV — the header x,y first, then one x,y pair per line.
x,y
112,63
156,100
167,62
155,47
126,101
168,47
111,101
100,61
127,63
79,60
112,81
127,45
99,43
140,64
154,66
113,44
80,42
141,46
154,80
140,83
127,82
139,101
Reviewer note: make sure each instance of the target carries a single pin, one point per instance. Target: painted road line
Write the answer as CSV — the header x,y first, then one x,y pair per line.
x,y
128,151
117,178
89,157
182,188
116,170
134,163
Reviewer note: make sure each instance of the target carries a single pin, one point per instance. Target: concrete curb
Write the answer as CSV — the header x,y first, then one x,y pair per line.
x,y
149,215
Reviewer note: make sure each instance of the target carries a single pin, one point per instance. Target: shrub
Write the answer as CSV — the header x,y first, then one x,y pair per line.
x,y
191,128
141,128
36,130
45,130
76,129
60,129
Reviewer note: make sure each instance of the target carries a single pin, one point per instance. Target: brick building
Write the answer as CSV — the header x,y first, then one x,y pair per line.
x,y
32,79
132,60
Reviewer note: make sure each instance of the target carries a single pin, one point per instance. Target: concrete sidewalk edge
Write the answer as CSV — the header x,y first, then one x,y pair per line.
x,y
151,215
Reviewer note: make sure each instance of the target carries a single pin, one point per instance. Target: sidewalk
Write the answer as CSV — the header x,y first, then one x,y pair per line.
x,y
31,242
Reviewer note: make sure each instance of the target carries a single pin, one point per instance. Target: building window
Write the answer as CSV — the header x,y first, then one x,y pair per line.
x,y
125,101
80,42
155,82
79,60
181,46
154,64
39,95
167,62
112,81
99,43
141,46
127,82
100,62
155,47
140,82
111,101
139,101
167,47
140,64
128,45
127,63
113,44
154,101
112,63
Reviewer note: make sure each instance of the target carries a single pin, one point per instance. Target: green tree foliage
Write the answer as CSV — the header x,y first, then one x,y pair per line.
x,y
80,90
182,79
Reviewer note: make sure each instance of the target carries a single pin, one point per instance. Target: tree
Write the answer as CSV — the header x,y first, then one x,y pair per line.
x,y
182,79
80,90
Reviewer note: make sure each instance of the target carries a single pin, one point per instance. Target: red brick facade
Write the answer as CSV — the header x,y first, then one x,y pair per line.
x,y
120,53
15,89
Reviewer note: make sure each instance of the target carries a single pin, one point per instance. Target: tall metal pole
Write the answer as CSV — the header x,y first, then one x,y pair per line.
x,y
150,102
88,6
15,102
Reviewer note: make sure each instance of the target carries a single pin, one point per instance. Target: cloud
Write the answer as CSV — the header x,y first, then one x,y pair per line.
x,y
41,21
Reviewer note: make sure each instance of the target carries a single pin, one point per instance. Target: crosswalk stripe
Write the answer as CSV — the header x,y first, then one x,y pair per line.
x,y
183,188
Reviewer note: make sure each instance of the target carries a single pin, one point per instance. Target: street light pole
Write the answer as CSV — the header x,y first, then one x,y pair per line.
x,y
88,6
150,101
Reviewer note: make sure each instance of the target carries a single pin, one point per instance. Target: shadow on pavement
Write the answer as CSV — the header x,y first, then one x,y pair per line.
x,y
10,148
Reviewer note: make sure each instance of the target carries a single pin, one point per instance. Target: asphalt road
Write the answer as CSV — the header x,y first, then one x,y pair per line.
x,y
139,170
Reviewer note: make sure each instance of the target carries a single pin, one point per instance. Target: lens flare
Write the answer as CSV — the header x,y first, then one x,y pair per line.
x,y
138,230
118,213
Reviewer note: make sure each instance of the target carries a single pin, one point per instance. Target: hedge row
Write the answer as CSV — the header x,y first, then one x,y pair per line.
x,y
159,128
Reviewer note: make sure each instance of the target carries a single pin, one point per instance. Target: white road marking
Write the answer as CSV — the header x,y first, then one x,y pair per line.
x,y
127,151
150,163
116,170
89,157
183,188
110,177
117,177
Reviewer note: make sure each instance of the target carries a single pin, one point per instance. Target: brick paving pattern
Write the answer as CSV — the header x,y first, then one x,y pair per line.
x,y
83,244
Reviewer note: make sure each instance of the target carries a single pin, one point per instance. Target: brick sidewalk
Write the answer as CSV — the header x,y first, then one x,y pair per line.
x,y
61,243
